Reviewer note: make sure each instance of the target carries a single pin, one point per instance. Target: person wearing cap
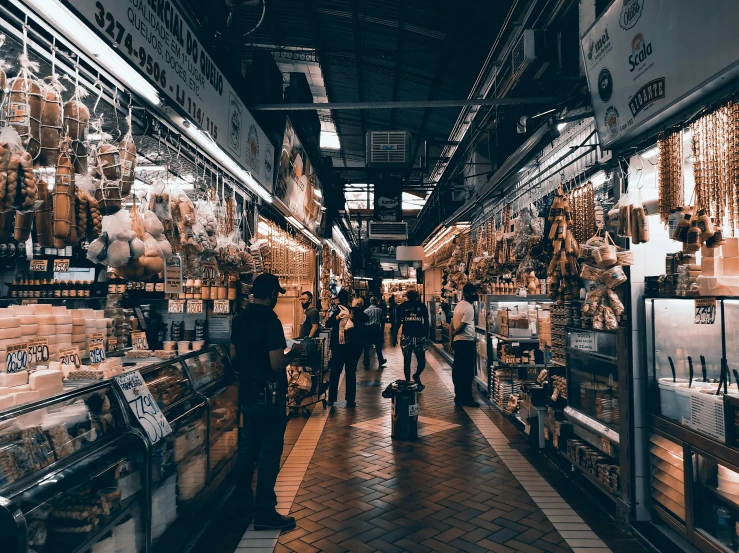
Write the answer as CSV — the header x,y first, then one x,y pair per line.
x,y
413,316
375,335
258,352
462,332
347,326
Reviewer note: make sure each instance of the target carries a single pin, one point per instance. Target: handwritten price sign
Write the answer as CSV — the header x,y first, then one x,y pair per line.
x,y
70,356
143,406
138,341
705,311
39,265
112,344
61,265
221,307
17,357
194,307
38,351
176,306
97,351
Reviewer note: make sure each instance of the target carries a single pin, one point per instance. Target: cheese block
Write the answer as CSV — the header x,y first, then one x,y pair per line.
x,y
46,330
22,398
55,366
695,274
101,325
16,389
3,367
6,333
52,339
109,322
79,337
79,323
6,402
99,313
46,319
91,323
40,380
42,309
21,310
86,313
64,329
59,310
712,266
29,330
63,319
731,247
9,322
710,252
730,266
28,319
63,340
10,380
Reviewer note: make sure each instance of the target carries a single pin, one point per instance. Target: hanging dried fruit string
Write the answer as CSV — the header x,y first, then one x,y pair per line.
x,y
670,174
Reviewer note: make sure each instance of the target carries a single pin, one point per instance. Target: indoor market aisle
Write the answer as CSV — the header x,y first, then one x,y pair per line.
x,y
465,485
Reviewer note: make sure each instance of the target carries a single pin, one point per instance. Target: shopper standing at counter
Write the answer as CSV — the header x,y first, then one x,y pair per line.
x,y
463,342
413,316
258,349
311,325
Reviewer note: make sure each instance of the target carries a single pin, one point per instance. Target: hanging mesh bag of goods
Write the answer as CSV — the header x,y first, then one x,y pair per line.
x,y
24,111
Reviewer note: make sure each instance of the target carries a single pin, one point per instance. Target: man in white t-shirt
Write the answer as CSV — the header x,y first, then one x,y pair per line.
x,y
463,341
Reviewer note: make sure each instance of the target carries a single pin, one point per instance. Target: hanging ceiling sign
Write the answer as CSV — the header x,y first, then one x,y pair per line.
x,y
297,183
643,68
154,37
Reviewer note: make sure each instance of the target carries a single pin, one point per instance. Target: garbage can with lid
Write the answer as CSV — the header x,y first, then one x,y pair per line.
x,y
405,409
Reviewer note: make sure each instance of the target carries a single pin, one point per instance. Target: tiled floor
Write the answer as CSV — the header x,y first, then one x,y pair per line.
x,y
468,483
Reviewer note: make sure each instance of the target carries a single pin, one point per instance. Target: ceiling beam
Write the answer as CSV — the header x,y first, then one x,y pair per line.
x,y
313,25
357,30
411,104
442,66
402,9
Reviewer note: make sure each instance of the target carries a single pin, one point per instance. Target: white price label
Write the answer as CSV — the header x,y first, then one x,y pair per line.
x,y
221,307
194,307
38,351
705,311
138,341
70,356
39,265
17,357
584,341
61,265
176,306
97,352
112,344
143,406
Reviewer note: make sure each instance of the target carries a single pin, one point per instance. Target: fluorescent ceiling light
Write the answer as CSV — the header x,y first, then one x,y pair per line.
x,y
649,154
312,238
330,141
208,144
263,228
74,29
151,168
342,240
561,126
293,221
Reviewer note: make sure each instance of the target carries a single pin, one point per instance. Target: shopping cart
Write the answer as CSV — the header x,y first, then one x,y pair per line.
x,y
307,384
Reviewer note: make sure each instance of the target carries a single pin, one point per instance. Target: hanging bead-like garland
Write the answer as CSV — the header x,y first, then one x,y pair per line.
x,y
670,174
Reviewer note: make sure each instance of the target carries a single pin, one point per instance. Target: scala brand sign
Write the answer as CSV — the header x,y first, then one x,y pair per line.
x,y
154,36
641,70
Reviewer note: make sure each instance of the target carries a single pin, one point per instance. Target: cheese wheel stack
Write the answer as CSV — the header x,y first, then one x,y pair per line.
x,y
63,324
730,257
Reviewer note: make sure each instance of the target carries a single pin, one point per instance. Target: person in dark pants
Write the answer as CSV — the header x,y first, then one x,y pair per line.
x,y
347,335
375,333
258,353
463,340
413,316
311,326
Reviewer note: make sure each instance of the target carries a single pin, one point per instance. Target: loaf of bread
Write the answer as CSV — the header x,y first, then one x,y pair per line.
x,y
43,215
127,149
64,196
51,126
24,108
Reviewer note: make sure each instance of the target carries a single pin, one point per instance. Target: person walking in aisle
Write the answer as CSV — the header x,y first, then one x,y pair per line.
x,y
258,353
347,334
413,316
462,332
312,323
375,334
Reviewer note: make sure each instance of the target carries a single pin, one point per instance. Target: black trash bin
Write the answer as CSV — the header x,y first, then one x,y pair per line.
x,y
405,409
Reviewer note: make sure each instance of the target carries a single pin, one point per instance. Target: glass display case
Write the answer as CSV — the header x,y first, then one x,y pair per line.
x,y
78,475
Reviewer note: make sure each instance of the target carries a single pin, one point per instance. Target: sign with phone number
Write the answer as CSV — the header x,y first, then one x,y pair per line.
x,y
166,51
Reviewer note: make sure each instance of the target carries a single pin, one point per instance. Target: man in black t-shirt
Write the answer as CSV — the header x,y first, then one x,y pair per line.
x,y
312,323
413,316
258,350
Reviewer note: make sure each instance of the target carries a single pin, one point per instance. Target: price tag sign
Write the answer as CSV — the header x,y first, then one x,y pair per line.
x,y
143,406
112,344
38,351
97,351
97,337
210,270
138,341
39,264
29,302
221,307
584,341
61,265
605,446
194,307
70,356
705,311
17,357
176,306
173,275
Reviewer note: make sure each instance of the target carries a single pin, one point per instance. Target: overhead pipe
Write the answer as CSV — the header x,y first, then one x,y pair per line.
x,y
412,104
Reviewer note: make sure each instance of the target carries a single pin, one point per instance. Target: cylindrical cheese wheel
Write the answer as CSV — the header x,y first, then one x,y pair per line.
x,y
9,322
14,332
52,340
59,310
46,319
28,319
29,330
79,337
42,309
101,324
63,319
63,340
731,247
46,330
64,329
